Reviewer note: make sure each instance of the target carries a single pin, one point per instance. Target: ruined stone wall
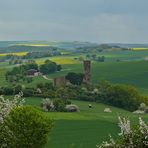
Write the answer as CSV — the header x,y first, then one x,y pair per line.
x,y
59,81
87,71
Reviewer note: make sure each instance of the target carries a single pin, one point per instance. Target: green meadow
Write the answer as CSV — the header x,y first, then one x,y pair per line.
x,y
131,69
91,126
86,128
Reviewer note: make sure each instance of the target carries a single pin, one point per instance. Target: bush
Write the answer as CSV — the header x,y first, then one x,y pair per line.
x,y
47,105
18,73
123,96
8,91
72,108
46,85
29,79
59,105
129,137
17,89
1,91
49,67
54,105
101,59
48,93
75,78
28,92
27,128
68,92
40,85
59,67
87,96
142,109
67,102
63,93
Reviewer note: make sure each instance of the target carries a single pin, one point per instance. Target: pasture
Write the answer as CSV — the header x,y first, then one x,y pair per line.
x,y
90,126
86,128
130,69
132,73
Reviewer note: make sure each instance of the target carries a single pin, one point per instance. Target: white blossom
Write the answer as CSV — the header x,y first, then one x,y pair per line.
x,y
139,112
6,105
143,127
124,126
107,110
128,135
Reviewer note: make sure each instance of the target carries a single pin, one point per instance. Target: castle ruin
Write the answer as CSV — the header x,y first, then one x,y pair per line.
x,y
87,71
60,81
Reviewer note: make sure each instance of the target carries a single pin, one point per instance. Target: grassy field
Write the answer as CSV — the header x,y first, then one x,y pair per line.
x,y
133,72
86,128
91,126
125,55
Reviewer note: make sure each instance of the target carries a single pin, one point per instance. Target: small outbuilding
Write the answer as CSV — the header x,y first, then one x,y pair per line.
x,y
32,72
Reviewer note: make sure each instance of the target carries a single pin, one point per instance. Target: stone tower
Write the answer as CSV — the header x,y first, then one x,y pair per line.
x,y
87,68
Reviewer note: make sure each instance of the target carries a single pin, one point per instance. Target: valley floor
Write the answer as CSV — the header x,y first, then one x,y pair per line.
x,y
86,128
90,126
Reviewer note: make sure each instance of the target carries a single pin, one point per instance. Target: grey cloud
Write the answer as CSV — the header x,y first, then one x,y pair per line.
x,y
87,20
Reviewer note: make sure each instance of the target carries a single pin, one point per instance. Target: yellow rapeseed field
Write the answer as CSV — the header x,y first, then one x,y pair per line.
x,y
17,53
59,60
36,45
140,48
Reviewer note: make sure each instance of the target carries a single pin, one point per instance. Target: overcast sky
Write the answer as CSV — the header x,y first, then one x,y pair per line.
x,y
124,21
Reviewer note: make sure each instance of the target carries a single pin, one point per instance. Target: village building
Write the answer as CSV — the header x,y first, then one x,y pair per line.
x,y
32,73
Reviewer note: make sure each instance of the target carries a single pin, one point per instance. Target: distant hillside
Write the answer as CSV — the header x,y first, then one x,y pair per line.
x,y
34,46
129,45
49,43
22,48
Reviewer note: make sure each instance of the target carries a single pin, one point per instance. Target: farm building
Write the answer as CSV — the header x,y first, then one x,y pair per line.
x,y
32,72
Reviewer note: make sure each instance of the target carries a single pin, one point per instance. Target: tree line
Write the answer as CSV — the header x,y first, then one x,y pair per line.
x,y
19,73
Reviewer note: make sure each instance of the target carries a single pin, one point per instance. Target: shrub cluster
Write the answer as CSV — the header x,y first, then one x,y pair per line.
x,y
19,73
58,105
22,126
49,67
129,137
27,128
75,78
10,90
123,96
